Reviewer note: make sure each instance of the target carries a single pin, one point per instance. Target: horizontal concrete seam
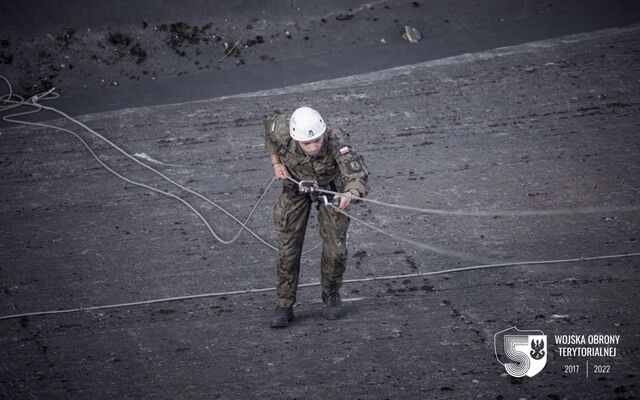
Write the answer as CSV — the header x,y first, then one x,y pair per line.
x,y
371,77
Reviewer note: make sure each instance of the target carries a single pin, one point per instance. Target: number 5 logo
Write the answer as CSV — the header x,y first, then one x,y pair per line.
x,y
521,352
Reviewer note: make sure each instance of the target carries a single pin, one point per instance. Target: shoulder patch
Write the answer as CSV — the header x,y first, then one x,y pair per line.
x,y
354,165
344,150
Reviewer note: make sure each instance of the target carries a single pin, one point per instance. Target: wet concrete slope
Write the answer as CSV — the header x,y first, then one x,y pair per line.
x,y
545,125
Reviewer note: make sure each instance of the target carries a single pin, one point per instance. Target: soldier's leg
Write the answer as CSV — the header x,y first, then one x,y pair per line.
x,y
333,230
290,216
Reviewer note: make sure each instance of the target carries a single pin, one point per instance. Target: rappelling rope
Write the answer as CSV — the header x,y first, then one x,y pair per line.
x,y
50,95
422,245
440,250
491,213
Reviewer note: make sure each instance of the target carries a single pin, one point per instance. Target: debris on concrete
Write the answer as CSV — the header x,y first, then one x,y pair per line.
x,y
411,34
344,17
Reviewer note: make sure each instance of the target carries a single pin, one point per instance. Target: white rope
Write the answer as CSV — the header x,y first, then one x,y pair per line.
x,y
313,284
38,107
436,249
492,213
50,94
422,245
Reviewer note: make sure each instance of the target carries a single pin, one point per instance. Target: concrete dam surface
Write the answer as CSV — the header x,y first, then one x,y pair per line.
x,y
113,290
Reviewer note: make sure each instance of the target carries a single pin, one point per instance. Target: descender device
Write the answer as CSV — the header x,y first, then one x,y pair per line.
x,y
308,186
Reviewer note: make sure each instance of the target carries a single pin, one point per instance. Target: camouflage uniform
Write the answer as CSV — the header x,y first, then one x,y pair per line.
x,y
336,168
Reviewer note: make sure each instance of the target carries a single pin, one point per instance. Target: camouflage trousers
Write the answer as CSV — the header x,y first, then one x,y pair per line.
x,y
290,216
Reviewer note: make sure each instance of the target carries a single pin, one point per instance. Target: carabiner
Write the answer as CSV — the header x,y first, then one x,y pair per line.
x,y
308,186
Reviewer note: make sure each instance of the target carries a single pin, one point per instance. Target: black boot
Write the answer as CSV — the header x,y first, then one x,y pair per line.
x,y
282,317
332,306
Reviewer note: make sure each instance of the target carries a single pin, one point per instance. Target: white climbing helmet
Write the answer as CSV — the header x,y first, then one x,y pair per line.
x,y
306,124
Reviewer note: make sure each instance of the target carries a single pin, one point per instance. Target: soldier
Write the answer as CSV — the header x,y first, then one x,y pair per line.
x,y
304,149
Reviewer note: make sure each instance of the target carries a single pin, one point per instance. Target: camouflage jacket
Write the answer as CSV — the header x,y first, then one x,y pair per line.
x,y
336,167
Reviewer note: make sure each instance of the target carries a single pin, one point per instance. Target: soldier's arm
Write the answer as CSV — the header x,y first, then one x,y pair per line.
x,y
353,170
275,130
270,140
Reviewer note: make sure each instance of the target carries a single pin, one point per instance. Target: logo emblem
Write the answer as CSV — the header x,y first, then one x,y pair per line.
x,y
521,352
355,166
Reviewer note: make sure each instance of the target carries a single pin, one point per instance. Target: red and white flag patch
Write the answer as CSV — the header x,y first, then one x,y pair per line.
x,y
344,150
